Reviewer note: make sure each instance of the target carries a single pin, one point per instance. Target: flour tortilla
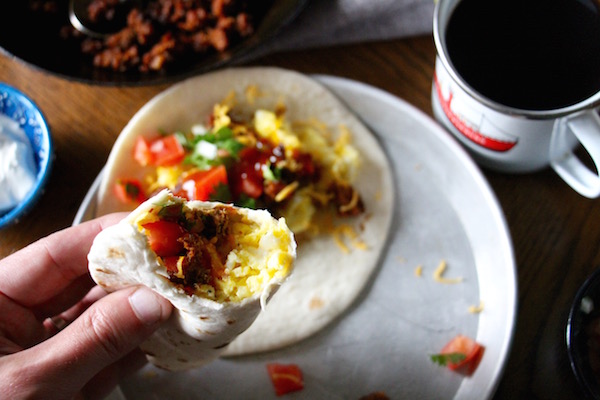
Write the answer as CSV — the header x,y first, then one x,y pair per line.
x,y
199,328
326,279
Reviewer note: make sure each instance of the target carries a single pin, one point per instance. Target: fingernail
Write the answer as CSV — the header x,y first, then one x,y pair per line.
x,y
146,306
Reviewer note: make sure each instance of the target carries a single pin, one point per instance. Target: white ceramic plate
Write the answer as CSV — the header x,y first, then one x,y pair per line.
x,y
445,211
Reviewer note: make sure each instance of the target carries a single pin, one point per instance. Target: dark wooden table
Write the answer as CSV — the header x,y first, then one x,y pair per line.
x,y
555,231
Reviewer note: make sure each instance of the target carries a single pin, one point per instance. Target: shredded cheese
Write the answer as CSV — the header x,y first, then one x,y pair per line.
x,y
221,116
252,92
348,232
352,204
286,191
361,245
343,138
179,273
476,309
438,274
419,271
322,198
340,243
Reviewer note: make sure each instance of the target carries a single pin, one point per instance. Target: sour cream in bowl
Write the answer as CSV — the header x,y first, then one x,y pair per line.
x,y
25,154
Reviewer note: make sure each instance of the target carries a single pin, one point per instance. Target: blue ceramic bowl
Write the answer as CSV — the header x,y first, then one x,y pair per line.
x,y
18,107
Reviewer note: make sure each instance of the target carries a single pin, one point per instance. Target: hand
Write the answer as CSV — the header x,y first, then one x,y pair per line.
x,y
61,336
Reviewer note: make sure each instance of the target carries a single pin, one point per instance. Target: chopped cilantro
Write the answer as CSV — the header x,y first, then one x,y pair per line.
x,y
223,139
271,173
232,146
448,358
268,174
221,193
132,190
171,210
201,161
246,202
183,139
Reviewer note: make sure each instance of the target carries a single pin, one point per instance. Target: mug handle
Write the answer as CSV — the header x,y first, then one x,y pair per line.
x,y
585,127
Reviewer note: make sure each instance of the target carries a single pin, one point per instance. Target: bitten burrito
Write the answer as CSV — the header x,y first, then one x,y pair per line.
x,y
217,264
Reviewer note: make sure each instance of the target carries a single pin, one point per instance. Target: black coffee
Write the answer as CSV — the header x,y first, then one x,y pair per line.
x,y
528,54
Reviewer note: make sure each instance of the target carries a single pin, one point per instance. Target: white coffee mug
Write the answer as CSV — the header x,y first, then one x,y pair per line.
x,y
513,140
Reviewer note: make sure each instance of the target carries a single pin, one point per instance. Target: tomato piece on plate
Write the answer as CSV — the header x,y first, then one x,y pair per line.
x,y
462,354
167,151
163,237
141,152
285,378
129,191
201,185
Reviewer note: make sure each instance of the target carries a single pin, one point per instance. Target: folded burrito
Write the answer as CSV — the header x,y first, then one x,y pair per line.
x,y
217,264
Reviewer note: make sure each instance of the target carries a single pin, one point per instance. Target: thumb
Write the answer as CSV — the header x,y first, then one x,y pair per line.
x,y
107,331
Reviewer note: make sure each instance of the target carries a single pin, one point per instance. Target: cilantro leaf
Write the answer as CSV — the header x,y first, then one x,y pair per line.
x,y
183,139
202,162
224,133
246,202
221,193
223,139
232,146
268,174
271,173
170,210
447,358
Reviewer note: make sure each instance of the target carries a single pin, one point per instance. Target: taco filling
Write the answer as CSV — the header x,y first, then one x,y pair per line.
x,y
212,252
260,160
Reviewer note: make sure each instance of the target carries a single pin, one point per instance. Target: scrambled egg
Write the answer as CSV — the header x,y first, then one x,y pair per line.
x,y
166,177
261,255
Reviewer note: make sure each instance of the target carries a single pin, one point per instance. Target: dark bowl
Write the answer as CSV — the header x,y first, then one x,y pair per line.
x,y
34,38
585,311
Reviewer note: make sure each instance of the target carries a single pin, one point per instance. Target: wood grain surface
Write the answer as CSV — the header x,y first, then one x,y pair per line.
x,y
555,231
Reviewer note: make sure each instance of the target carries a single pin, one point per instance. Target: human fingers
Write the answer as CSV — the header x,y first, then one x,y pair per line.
x,y
106,380
18,324
58,321
106,332
71,295
40,271
22,326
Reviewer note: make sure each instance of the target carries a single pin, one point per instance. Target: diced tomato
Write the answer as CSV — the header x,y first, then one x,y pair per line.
x,y
167,151
163,151
472,351
201,184
162,236
285,378
141,151
129,191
